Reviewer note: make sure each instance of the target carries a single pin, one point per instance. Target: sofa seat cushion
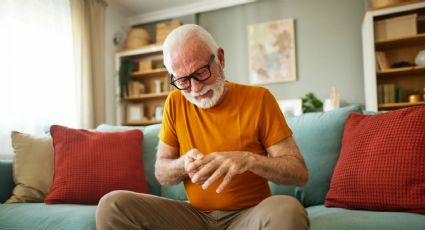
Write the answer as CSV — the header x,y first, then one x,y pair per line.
x,y
42,216
323,218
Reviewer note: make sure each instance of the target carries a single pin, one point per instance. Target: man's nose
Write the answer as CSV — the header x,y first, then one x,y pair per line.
x,y
196,86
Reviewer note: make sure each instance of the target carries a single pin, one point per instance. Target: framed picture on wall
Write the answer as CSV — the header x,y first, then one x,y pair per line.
x,y
272,52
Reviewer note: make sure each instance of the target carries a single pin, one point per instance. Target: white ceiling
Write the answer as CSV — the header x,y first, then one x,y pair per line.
x,y
137,7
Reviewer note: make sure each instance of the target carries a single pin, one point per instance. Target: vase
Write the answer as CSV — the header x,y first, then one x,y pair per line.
x,y
420,58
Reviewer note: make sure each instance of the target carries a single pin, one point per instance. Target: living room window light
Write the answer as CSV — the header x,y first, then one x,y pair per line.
x,y
38,86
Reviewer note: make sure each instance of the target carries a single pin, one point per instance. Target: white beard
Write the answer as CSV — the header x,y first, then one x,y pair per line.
x,y
206,103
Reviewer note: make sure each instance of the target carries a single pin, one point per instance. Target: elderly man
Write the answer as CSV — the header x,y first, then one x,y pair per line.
x,y
225,141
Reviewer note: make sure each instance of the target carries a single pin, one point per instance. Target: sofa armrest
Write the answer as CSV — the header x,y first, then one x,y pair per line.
x,y
6,180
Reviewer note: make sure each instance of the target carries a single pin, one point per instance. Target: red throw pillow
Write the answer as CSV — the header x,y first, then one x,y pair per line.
x,y
89,164
382,163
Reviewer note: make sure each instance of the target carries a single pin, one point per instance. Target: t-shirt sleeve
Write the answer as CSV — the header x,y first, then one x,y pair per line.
x,y
168,133
272,124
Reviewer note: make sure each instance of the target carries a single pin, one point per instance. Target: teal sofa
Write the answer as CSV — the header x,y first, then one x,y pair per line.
x,y
319,138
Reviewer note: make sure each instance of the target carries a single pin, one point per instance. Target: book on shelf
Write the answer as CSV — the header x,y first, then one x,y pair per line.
x,y
387,94
382,61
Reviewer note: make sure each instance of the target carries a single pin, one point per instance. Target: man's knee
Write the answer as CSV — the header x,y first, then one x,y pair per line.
x,y
113,200
282,204
283,211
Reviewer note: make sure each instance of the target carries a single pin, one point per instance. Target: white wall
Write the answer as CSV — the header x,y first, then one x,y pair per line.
x,y
116,19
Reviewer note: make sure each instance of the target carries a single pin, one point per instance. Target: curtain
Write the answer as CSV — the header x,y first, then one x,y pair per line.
x,y
88,20
38,86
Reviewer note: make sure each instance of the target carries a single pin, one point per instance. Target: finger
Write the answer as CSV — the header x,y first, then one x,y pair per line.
x,y
200,181
199,156
225,182
217,174
192,167
204,171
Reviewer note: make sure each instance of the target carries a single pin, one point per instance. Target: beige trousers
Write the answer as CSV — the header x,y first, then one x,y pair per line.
x,y
128,210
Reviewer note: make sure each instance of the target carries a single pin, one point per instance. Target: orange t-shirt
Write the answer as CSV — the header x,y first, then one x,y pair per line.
x,y
247,119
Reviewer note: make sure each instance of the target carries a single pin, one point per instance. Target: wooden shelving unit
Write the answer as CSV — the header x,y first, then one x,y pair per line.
x,y
391,106
151,73
386,87
418,39
148,87
147,96
401,71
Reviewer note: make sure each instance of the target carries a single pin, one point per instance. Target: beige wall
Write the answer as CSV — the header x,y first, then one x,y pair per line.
x,y
116,19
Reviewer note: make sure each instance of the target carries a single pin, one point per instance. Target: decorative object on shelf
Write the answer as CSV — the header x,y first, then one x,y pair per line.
x,y
414,98
159,111
124,73
137,38
414,95
158,87
272,52
136,89
395,27
135,112
311,103
332,102
401,64
162,30
291,107
420,58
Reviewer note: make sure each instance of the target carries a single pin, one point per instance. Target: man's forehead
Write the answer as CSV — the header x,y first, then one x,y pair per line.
x,y
186,61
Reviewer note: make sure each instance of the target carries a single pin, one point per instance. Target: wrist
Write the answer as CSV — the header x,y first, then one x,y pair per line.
x,y
250,160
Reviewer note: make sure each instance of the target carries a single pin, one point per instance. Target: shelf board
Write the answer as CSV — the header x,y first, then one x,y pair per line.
x,y
142,123
151,73
418,39
402,70
147,96
150,49
398,105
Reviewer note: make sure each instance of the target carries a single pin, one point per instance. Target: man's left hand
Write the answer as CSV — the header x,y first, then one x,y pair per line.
x,y
217,164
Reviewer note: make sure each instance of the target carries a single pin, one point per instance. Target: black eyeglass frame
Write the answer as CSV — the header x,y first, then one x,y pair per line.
x,y
193,75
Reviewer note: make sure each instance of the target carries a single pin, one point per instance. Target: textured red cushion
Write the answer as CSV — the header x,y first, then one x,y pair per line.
x,y
382,163
89,164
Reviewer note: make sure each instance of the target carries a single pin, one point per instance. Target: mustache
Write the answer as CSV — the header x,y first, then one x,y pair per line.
x,y
202,92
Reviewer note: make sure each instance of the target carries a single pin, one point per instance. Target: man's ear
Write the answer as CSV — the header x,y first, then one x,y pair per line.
x,y
220,56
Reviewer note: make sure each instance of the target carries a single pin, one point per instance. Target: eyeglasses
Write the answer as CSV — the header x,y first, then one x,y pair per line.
x,y
202,74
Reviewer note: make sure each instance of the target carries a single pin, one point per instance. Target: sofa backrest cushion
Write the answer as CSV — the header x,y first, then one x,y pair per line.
x,y
6,180
32,167
318,136
382,162
150,144
88,164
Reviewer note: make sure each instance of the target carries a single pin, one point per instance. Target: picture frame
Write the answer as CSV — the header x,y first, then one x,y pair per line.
x,y
272,56
291,107
159,112
135,112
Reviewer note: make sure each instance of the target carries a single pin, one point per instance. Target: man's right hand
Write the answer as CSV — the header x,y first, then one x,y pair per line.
x,y
189,158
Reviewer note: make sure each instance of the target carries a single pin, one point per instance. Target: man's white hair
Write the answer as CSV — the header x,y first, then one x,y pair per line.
x,y
180,35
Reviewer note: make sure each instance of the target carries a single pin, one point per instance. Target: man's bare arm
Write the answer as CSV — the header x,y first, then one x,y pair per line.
x,y
283,165
170,167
